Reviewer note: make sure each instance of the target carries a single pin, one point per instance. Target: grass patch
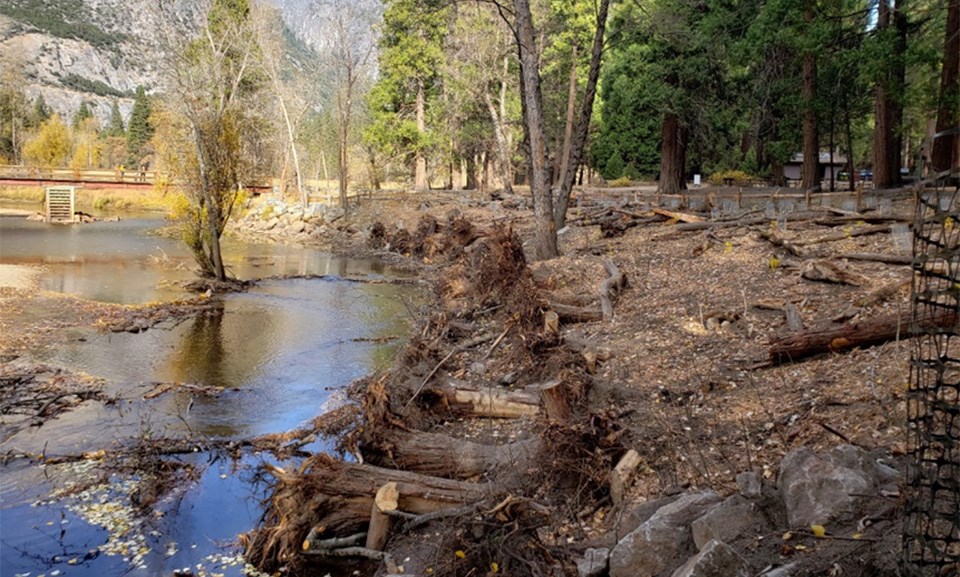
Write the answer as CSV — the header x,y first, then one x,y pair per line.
x,y
101,199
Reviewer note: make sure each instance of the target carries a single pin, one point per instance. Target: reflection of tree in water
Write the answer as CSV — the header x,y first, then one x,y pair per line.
x,y
201,357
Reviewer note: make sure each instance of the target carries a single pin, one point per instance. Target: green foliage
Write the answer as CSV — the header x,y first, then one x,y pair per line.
x,y
735,177
614,166
82,114
139,129
63,19
41,112
50,146
98,87
411,55
16,115
115,126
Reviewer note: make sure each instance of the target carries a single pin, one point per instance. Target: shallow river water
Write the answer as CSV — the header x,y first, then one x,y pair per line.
x,y
284,350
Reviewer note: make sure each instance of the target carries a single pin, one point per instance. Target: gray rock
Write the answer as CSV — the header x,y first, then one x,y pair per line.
x,y
749,484
717,559
333,215
594,562
296,227
641,513
662,542
817,490
726,522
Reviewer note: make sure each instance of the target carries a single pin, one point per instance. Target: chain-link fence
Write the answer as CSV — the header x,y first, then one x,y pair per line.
x,y
932,501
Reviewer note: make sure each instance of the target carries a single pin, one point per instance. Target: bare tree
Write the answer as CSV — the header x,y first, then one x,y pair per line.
x,y
213,97
286,83
345,36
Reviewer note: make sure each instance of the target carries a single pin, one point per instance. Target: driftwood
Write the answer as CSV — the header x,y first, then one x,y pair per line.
x,y
387,499
875,331
610,289
679,216
442,455
488,402
864,231
339,496
826,271
875,257
621,476
575,314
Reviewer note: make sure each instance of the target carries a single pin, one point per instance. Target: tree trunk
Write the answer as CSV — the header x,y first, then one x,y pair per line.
x,y
343,132
811,135
568,175
888,108
445,456
948,111
875,331
420,171
568,125
545,235
673,155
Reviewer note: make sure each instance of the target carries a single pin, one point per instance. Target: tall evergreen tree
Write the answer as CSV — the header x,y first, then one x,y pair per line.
x,y
411,52
82,114
41,111
115,126
139,130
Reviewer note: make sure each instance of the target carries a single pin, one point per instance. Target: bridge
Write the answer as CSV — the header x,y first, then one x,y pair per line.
x,y
90,178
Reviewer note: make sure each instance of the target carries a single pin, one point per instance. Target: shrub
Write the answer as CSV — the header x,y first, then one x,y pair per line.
x,y
621,182
736,177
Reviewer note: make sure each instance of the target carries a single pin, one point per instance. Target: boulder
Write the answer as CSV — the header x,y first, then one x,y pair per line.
x,y
715,560
750,484
594,562
296,227
271,224
333,215
818,489
726,522
663,542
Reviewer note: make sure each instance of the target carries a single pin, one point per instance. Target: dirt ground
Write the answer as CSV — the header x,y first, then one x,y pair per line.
x,y
682,372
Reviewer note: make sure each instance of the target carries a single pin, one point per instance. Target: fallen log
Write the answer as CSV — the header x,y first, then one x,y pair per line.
x,y
488,402
575,314
442,455
679,216
330,499
876,257
875,331
864,231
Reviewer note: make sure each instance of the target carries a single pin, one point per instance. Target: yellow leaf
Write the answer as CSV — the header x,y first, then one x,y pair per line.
x,y
459,554
494,568
728,246
801,547
857,536
787,536
774,262
818,530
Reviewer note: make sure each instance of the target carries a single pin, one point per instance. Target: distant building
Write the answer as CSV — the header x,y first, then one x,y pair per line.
x,y
792,170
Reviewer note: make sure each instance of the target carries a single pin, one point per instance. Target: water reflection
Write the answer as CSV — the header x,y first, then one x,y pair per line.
x,y
201,356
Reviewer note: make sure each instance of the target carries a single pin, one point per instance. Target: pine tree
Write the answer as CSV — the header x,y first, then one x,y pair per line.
x,y
115,127
82,114
41,112
139,130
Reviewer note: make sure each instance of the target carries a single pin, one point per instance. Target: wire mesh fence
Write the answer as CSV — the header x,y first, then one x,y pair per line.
x,y
932,497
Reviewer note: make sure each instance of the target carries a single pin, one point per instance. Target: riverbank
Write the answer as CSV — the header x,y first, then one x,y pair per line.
x,y
682,388
676,393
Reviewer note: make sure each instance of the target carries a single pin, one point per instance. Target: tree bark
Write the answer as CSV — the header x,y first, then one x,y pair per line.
x,y
794,347
811,134
545,234
568,176
888,108
948,110
445,456
420,170
673,155
568,125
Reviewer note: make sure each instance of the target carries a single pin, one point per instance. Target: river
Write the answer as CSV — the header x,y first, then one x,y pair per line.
x,y
283,351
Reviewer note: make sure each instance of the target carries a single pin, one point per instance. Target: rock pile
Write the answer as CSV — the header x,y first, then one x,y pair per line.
x,y
280,221
816,497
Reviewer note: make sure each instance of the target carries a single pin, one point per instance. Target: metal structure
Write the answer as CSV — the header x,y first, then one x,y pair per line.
x,y
61,203
931,543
